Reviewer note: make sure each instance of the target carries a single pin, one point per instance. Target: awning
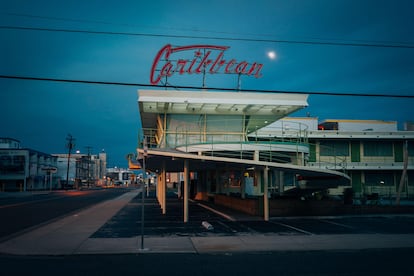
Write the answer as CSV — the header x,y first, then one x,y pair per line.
x,y
270,105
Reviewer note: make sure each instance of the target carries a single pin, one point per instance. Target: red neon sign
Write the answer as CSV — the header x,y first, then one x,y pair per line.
x,y
203,62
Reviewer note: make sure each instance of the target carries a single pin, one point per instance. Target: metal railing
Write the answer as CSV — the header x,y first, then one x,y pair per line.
x,y
283,146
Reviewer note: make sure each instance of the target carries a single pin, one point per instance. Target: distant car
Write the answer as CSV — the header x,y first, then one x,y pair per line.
x,y
118,183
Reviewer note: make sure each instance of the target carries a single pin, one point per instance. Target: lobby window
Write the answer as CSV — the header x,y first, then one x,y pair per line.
x,y
334,148
378,148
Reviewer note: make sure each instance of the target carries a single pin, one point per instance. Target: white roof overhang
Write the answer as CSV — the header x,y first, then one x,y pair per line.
x,y
275,105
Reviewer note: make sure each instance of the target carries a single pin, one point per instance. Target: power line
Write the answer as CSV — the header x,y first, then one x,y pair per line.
x,y
169,28
378,45
323,93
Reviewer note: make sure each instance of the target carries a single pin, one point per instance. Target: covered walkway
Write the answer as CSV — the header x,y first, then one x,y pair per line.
x,y
163,161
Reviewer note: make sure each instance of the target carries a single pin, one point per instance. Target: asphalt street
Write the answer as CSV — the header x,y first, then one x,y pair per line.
x,y
19,212
102,240
353,262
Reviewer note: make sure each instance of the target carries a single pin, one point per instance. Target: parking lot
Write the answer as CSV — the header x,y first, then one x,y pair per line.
x,y
127,222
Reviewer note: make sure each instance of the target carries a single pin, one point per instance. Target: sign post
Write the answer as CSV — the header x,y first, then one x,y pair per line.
x,y
144,178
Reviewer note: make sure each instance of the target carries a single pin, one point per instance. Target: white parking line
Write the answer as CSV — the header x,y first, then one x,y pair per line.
x,y
217,212
338,224
293,228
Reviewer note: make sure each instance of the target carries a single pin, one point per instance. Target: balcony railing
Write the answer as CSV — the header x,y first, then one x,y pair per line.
x,y
285,146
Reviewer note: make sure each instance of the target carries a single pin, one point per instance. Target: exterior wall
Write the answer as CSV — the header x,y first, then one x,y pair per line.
x,y
374,164
39,177
359,125
248,205
118,176
84,170
26,169
409,126
9,143
62,166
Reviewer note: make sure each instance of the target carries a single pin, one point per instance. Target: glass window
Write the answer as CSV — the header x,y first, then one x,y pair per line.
x,y
378,148
125,176
334,148
13,164
410,148
379,178
410,177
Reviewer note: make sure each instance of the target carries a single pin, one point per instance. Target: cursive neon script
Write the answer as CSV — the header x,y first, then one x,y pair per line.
x,y
204,61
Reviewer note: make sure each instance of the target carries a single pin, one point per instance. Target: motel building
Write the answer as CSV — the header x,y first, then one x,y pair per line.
x,y
242,151
215,140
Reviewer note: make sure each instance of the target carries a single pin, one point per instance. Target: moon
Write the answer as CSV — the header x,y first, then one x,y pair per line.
x,y
271,54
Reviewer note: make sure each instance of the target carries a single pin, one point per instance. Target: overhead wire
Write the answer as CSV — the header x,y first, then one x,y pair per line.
x,y
378,45
67,19
323,93
362,44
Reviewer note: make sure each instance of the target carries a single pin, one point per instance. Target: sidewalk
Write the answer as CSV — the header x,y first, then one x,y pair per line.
x,y
71,235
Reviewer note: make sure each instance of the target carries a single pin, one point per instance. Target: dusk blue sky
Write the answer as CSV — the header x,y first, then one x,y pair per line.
x,y
40,113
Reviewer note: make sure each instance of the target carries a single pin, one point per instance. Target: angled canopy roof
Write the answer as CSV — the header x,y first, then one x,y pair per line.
x,y
220,103
173,160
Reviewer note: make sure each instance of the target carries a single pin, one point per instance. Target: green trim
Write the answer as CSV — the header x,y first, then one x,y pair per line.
x,y
312,153
355,152
356,182
399,151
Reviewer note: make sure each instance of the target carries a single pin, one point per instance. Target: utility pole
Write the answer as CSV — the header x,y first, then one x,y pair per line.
x,y
70,145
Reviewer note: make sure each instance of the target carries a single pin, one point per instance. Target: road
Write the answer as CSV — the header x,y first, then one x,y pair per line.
x,y
360,262
385,261
20,213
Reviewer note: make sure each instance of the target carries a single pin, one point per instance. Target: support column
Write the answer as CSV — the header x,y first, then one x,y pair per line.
x,y
164,189
158,190
256,155
265,193
228,186
186,176
281,183
208,182
218,184
243,186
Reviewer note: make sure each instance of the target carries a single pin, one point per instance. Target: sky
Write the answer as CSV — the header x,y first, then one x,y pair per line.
x,y
335,46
